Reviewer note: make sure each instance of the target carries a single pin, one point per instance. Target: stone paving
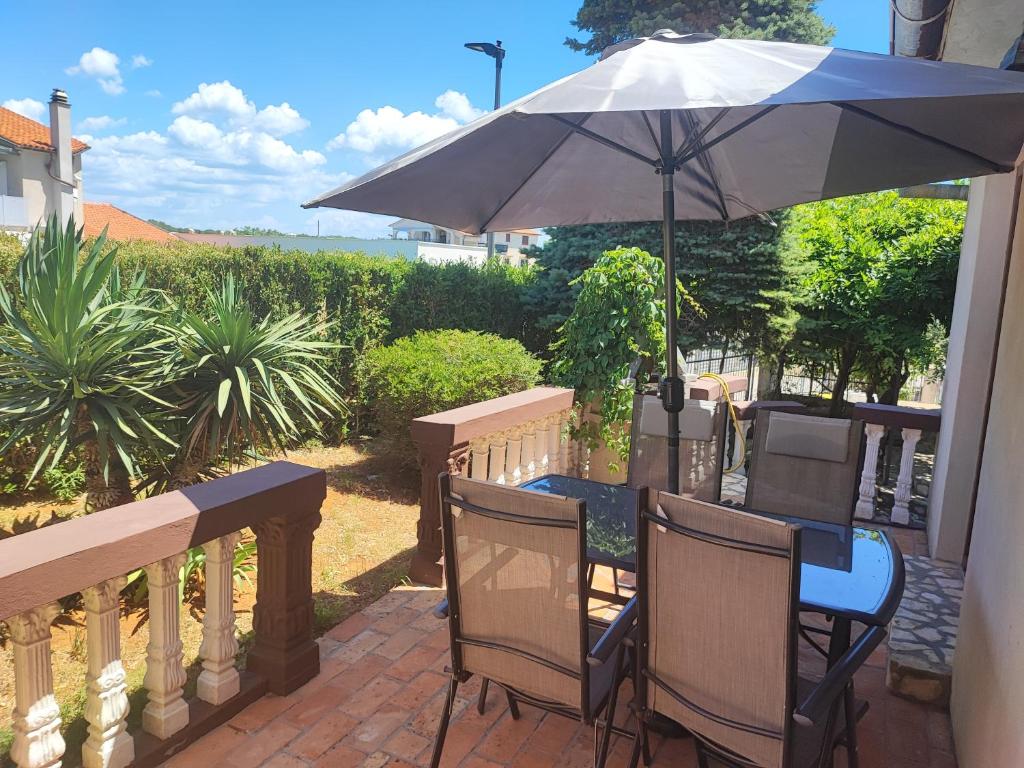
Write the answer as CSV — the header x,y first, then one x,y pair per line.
x,y
922,638
378,697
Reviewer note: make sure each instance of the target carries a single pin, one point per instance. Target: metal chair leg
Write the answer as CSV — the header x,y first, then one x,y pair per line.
x,y
609,712
850,704
513,705
481,701
442,727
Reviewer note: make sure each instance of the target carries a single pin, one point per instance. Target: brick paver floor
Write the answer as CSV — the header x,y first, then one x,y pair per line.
x,y
378,698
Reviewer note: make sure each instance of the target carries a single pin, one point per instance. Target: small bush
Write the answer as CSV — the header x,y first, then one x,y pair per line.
x,y
437,370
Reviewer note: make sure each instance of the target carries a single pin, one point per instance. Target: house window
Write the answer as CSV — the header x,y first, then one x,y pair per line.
x,y
526,239
508,237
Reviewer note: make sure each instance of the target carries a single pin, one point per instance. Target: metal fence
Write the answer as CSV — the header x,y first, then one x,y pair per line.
x,y
816,383
721,361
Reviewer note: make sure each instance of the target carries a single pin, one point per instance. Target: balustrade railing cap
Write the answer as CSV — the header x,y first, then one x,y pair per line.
x,y
460,425
39,566
925,419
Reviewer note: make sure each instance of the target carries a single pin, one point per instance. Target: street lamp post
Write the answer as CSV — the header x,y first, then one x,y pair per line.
x,y
496,52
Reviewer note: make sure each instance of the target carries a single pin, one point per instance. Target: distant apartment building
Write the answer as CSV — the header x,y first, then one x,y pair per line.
x,y
441,244
40,167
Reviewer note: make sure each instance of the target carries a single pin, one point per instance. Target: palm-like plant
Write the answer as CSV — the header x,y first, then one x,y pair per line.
x,y
81,357
244,386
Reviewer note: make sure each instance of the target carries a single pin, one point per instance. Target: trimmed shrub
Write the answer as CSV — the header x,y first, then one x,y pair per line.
x,y
437,370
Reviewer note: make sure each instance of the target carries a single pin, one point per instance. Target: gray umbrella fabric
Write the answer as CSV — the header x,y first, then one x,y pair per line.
x,y
780,124
731,127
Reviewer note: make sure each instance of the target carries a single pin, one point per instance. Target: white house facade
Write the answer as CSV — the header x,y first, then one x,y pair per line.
x,y
439,245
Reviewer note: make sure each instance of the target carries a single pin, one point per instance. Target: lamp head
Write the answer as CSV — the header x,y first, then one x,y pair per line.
x,y
492,50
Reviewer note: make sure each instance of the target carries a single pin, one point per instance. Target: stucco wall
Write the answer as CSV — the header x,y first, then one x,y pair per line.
x,y
28,177
988,673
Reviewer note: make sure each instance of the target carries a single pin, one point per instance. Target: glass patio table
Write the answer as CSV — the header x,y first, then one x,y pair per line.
x,y
847,572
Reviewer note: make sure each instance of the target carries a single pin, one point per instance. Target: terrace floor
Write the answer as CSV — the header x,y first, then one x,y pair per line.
x,y
378,698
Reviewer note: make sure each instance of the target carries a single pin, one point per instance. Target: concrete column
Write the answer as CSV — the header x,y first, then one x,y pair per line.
x,y
979,290
167,711
219,680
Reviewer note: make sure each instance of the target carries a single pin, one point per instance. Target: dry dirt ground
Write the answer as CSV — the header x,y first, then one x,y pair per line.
x,y
362,549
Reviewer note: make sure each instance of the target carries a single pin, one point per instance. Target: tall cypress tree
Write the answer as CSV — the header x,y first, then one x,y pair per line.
x,y
737,271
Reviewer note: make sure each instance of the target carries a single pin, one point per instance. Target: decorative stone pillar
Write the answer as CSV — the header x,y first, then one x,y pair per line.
x,y
434,459
555,465
905,482
284,651
514,458
36,717
529,454
480,450
219,680
106,709
499,447
542,448
167,712
865,509
564,463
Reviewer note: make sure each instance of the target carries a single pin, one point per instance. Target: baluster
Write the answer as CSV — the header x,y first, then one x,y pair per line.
x,y
166,713
905,482
109,745
865,509
555,444
496,469
36,717
563,457
529,458
513,457
219,681
542,448
480,450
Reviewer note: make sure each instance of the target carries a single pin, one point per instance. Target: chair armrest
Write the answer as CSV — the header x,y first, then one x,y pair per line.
x,y
816,707
441,609
606,646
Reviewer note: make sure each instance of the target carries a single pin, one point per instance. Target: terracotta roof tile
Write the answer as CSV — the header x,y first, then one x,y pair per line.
x,y
28,134
120,224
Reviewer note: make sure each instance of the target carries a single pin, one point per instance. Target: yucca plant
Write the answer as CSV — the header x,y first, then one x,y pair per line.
x,y
81,358
245,386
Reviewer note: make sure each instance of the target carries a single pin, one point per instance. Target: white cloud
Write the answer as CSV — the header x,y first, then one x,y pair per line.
x,y
100,123
139,61
224,100
154,93
102,65
391,129
30,108
351,223
220,163
456,104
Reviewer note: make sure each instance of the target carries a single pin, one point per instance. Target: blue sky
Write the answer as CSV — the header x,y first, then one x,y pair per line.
x,y
224,114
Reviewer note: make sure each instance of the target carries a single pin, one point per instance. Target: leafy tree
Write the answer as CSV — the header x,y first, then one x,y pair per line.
x,y
738,273
881,288
619,316
612,21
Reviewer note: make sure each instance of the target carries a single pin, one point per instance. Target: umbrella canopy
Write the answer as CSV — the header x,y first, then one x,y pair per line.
x,y
779,124
731,127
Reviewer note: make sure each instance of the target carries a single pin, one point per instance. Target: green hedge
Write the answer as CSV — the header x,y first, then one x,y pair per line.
x,y
372,299
433,371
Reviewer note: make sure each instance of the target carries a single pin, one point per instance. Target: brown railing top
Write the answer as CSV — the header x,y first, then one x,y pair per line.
x,y
460,425
710,389
40,566
925,419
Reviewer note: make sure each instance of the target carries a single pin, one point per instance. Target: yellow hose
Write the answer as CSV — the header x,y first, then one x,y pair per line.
x,y
735,421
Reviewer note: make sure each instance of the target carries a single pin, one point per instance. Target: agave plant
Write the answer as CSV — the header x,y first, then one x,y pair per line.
x,y
81,358
245,386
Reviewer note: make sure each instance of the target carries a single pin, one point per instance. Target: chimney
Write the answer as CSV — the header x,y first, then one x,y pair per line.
x,y
61,171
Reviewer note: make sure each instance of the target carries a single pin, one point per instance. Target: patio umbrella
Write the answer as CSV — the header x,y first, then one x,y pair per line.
x,y
731,127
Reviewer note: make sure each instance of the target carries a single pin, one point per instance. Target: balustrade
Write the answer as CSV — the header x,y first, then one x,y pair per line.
x,y
91,554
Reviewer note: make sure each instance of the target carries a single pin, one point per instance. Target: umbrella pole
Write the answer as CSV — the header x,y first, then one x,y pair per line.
x,y
671,390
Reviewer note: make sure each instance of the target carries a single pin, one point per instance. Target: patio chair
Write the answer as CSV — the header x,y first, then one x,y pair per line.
x,y
804,466
701,447
515,567
717,639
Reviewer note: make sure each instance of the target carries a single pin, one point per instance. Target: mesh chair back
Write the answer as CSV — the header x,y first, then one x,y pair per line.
x,y
719,599
514,564
804,466
701,447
